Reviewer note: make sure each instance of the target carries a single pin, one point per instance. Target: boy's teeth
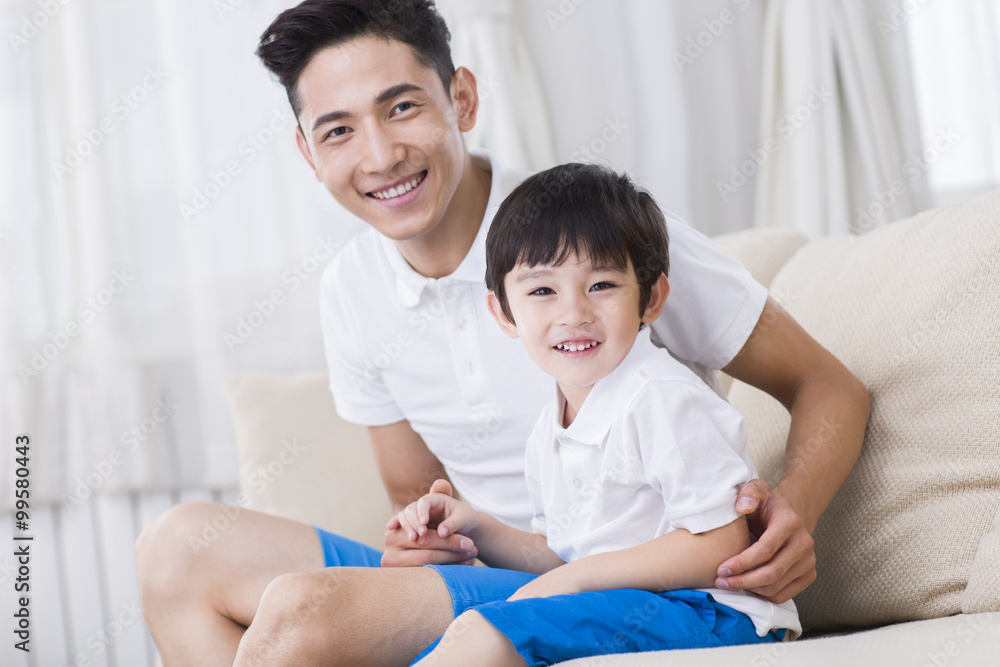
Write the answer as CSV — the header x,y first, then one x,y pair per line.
x,y
575,348
392,193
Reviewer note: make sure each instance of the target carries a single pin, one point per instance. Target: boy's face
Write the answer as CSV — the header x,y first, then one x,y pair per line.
x,y
376,122
577,321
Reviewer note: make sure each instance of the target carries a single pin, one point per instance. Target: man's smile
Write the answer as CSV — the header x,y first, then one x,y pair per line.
x,y
399,188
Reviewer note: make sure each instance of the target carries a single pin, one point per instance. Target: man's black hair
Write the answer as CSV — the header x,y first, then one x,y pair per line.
x,y
298,34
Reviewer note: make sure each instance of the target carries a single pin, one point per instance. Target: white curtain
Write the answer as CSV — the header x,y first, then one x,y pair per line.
x,y
513,118
159,232
955,48
838,122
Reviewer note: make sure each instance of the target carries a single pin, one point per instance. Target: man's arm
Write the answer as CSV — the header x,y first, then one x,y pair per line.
x,y
822,396
409,469
676,560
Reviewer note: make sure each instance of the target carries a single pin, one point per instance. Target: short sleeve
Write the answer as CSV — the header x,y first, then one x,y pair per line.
x,y
692,450
532,470
714,302
359,394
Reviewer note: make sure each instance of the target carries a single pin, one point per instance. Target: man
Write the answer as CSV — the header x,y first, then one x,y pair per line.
x,y
381,112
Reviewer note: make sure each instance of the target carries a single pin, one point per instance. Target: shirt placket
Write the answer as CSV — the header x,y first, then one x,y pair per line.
x,y
458,298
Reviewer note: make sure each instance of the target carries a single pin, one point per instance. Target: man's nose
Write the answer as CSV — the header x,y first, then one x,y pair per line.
x,y
382,151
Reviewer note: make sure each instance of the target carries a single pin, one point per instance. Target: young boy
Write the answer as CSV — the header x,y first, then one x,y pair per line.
x,y
633,470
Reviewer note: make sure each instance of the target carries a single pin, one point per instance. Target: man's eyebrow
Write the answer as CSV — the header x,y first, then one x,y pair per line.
x,y
395,91
381,98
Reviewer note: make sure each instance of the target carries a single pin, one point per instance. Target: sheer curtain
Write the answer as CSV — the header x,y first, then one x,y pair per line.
x,y
838,121
160,232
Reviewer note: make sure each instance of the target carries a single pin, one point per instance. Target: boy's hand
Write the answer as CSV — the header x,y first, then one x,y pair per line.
x,y
781,563
415,536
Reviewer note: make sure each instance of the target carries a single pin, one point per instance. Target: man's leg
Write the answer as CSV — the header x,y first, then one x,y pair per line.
x,y
348,616
202,570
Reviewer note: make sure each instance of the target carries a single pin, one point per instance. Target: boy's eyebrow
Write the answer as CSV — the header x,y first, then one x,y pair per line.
x,y
381,98
531,272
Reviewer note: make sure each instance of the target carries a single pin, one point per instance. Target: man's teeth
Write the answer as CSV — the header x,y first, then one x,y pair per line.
x,y
399,190
575,348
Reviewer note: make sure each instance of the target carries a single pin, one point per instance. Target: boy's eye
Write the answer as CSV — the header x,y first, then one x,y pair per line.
x,y
541,291
601,286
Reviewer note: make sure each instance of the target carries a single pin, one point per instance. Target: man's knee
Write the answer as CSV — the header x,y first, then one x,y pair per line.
x,y
166,552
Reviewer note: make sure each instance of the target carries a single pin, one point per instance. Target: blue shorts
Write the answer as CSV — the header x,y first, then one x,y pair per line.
x,y
549,630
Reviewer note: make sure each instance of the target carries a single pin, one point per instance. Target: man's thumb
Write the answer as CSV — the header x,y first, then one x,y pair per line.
x,y
442,486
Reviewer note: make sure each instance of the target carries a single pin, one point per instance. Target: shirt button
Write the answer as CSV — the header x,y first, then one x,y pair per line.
x,y
577,483
462,323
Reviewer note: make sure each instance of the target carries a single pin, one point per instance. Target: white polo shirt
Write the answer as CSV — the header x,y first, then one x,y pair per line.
x,y
652,450
401,346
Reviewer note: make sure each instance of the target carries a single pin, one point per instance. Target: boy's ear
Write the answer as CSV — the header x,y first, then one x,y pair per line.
x,y
493,303
657,297
300,141
465,98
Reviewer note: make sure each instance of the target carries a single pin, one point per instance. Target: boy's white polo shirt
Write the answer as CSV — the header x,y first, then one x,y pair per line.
x,y
652,450
401,346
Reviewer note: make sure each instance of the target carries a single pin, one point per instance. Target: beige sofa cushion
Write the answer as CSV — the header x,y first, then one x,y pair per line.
x,y
913,310
300,460
956,641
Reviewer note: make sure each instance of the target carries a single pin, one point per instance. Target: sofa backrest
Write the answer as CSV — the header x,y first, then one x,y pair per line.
x,y
913,309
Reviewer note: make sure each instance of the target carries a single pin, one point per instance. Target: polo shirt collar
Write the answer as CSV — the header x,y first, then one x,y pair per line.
x,y
607,400
410,284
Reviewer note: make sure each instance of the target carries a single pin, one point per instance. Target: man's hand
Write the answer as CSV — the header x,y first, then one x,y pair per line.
x,y
781,563
426,547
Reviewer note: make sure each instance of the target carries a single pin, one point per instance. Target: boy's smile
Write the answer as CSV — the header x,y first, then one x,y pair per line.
x,y
577,321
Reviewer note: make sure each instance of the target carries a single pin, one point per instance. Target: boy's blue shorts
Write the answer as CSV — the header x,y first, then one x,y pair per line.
x,y
563,627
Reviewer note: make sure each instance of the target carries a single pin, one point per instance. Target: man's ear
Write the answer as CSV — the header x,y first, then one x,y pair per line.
x,y
493,303
657,297
465,98
300,141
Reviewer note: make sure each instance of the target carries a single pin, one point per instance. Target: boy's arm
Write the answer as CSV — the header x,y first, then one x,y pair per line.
x,y
830,409
497,544
670,562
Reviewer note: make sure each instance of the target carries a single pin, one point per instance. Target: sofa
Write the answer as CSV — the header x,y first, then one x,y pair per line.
x,y
908,554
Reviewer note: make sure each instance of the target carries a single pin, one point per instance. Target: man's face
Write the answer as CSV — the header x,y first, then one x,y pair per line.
x,y
382,135
577,320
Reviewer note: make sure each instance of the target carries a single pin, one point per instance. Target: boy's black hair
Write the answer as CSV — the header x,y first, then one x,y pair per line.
x,y
299,33
584,209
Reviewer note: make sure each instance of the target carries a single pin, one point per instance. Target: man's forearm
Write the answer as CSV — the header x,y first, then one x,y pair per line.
x,y
829,416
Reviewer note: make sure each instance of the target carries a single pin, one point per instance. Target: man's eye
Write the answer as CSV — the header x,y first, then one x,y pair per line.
x,y
542,291
404,106
337,132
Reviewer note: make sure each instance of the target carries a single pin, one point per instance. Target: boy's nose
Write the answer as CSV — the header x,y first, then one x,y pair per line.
x,y
576,310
